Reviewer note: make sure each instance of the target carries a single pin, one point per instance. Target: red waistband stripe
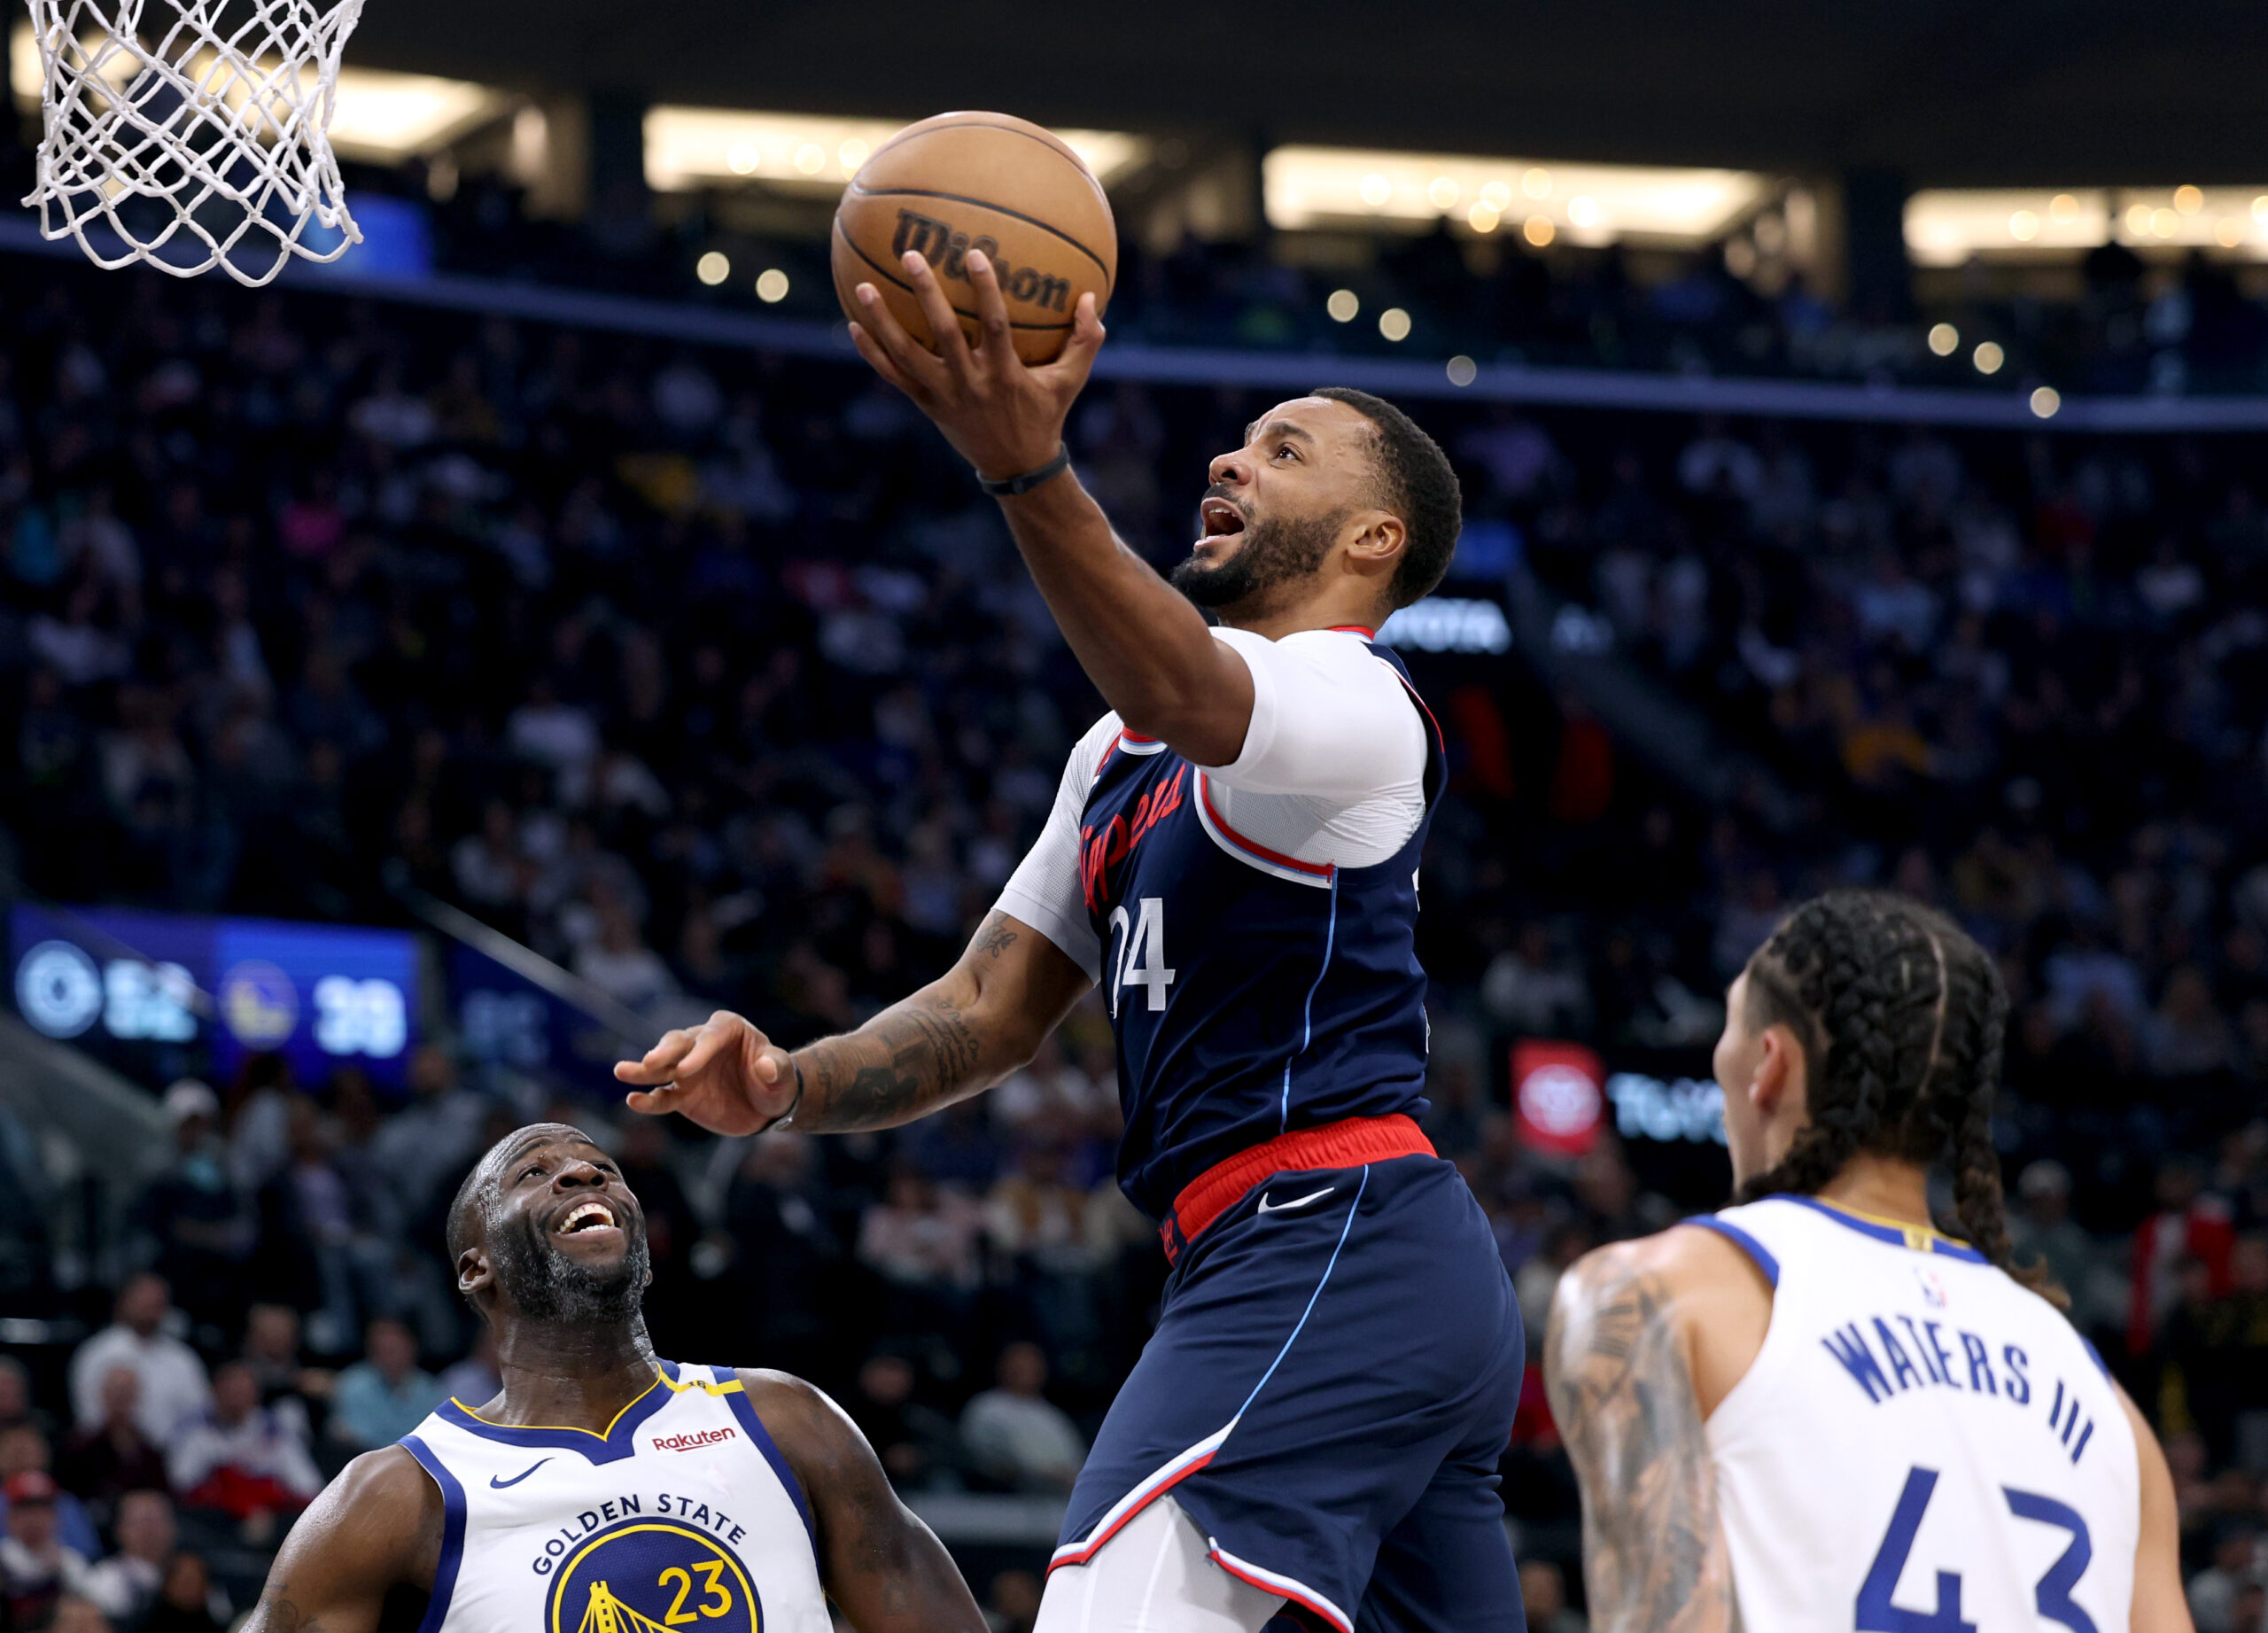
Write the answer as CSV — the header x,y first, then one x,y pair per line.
x,y
1347,1144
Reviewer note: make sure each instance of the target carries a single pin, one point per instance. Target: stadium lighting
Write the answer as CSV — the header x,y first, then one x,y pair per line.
x,y
1538,230
712,269
1948,227
1945,340
1462,371
1988,357
772,287
1393,323
1342,305
1311,187
381,117
2046,401
688,148
390,116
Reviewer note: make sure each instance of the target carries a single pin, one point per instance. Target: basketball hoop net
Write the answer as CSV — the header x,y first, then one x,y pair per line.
x,y
195,136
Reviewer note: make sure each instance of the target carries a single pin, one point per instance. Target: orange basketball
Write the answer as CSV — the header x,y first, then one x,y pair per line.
x,y
989,182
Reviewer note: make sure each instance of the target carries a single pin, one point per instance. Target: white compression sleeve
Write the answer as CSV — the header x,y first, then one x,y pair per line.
x,y
1329,718
1045,891
1333,764
1155,1576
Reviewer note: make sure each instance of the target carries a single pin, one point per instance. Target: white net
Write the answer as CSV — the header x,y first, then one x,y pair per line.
x,y
192,134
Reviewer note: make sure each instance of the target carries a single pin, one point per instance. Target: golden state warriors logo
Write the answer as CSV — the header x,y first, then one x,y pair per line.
x,y
654,1576
260,1003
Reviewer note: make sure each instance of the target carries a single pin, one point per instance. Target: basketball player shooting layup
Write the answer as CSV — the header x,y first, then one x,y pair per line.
x,y
1233,856
605,1491
1816,1411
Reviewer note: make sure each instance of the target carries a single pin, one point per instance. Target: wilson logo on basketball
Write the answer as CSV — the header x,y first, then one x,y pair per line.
x,y
943,247
694,1442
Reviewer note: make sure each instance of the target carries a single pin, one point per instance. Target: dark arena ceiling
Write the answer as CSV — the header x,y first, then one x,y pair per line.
x,y
1985,91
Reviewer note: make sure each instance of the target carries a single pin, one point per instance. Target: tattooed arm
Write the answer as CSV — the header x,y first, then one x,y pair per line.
x,y
1619,1364
956,1037
376,1531
876,1559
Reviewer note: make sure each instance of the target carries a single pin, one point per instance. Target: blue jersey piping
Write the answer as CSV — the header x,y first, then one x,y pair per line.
x,y
1306,1009
1353,1209
452,1515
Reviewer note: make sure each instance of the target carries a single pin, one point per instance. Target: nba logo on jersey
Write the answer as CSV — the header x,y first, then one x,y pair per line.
x,y
1933,1288
648,1576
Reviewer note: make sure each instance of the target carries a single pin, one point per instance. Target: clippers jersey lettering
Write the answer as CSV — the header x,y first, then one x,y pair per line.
x,y
1921,1443
1251,992
682,1515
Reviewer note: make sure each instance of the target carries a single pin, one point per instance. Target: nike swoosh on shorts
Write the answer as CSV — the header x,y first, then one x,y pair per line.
x,y
1297,1201
523,1474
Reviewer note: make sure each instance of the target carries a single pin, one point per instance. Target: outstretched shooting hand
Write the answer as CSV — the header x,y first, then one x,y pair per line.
x,y
1002,415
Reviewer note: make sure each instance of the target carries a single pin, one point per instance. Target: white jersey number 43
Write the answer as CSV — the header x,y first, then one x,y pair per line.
x,y
1141,954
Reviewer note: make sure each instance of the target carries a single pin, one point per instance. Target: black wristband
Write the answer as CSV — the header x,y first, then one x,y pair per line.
x,y
1030,479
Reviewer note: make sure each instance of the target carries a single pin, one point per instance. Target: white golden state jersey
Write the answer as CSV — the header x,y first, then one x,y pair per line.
x,y
683,1515
1921,1446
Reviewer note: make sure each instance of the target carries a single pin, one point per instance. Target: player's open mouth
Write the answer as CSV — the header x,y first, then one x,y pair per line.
x,y
592,1215
1220,519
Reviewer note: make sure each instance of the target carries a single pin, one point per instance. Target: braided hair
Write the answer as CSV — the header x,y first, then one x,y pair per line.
x,y
1901,1016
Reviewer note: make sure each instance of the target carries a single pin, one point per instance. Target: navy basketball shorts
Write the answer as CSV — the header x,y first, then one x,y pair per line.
x,y
1327,1395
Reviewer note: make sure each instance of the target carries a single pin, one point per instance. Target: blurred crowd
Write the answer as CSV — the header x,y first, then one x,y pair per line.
x,y
704,675
2113,321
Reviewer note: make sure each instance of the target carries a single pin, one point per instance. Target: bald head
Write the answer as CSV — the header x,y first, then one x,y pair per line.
x,y
469,1212
544,1228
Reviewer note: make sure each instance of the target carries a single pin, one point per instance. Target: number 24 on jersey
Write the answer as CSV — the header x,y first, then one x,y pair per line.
x,y
1141,959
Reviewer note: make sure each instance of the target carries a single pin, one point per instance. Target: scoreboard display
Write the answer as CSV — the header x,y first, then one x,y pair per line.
x,y
322,995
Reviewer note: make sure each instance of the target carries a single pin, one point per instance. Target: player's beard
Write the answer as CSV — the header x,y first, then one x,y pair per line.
x,y
545,1285
1276,550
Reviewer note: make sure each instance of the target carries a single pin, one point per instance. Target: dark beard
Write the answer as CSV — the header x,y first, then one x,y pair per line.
x,y
545,1285
1275,551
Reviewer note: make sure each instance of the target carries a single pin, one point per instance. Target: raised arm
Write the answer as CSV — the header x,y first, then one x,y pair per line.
x,y
374,1528
877,1560
957,1036
1147,651
1622,1394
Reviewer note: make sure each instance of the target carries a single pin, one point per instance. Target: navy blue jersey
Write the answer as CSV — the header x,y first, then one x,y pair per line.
x,y
1252,993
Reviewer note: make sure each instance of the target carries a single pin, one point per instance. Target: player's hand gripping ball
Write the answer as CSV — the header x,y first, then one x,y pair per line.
x,y
987,181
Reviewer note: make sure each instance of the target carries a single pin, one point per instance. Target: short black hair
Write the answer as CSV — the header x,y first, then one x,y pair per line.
x,y
1420,487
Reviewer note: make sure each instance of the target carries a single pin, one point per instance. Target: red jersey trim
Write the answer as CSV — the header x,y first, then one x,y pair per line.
x,y
1314,870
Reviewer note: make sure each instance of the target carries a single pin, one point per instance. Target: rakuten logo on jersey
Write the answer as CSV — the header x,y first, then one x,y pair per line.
x,y
693,1443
